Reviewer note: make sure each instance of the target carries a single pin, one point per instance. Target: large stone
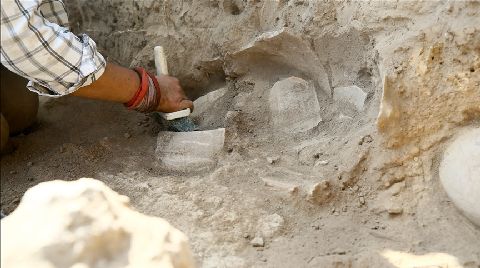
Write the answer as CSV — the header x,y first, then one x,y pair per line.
x,y
189,151
351,94
460,173
294,105
86,224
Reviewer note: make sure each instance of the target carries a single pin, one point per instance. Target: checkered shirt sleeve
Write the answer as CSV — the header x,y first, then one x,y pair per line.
x,y
37,44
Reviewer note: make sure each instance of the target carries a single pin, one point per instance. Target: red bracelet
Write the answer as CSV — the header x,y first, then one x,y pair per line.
x,y
142,90
155,83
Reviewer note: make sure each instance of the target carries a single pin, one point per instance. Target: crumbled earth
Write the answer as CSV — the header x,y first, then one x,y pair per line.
x,y
353,183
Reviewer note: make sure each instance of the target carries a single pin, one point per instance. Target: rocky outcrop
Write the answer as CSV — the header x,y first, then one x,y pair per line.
x,y
86,224
432,88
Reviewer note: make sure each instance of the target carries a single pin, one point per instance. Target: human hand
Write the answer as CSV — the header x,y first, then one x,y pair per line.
x,y
172,97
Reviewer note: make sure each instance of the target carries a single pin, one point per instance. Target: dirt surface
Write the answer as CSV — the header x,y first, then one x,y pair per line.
x,y
345,193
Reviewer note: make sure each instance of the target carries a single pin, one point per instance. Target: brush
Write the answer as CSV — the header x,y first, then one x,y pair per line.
x,y
177,121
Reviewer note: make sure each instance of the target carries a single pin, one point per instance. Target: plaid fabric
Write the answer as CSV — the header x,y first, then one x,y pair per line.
x,y
37,44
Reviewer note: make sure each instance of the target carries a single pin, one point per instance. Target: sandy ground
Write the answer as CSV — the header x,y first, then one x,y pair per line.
x,y
219,211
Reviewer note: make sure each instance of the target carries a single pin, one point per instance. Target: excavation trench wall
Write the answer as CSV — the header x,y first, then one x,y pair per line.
x,y
336,117
417,61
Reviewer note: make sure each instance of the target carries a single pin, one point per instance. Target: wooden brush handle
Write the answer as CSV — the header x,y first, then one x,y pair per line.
x,y
160,61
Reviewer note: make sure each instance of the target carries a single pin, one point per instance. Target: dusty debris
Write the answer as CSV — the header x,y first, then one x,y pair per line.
x,y
320,193
270,225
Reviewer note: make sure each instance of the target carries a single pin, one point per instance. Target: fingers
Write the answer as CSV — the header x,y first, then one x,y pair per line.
x,y
184,104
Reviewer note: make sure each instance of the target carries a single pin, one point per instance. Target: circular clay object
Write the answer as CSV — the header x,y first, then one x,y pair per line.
x,y
460,173
4,133
18,105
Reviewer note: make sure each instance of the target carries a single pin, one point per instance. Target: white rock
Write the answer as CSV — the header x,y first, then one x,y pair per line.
x,y
294,105
270,225
257,242
321,163
189,151
394,208
351,94
460,173
84,223
396,188
273,159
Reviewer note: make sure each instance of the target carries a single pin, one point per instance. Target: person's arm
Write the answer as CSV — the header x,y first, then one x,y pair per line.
x,y
120,84
57,62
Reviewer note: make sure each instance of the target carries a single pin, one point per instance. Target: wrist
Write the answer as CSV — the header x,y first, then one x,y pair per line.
x,y
147,96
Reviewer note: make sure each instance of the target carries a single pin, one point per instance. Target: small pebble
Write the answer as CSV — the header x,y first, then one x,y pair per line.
x,y
127,135
272,160
321,163
13,172
367,139
395,210
339,252
257,242
361,199
30,164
